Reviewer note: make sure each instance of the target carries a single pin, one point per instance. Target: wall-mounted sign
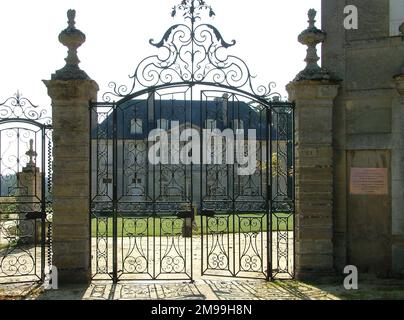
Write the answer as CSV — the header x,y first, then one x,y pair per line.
x,y
369,181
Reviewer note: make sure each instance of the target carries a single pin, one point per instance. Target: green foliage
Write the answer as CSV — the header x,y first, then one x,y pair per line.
x,y
126,227
8,208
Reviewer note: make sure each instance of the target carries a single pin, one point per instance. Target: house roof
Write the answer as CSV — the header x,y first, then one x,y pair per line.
x,y
226,114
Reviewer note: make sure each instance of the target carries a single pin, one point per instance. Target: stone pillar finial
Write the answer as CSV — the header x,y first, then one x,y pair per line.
x,y
31,153
311,37
71,38
71,16
312,18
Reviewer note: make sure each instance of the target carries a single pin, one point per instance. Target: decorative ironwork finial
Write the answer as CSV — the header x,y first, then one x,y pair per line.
x,y
311,37
19,107
71,38
193,54
31,154
18,95
192,9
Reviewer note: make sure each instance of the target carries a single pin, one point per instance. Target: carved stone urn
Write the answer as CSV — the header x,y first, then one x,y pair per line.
x,y
71,38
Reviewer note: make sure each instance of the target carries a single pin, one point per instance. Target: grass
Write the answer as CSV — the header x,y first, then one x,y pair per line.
x,y
169,225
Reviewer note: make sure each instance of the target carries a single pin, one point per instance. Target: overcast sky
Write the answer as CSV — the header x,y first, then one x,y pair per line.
x,y
118,32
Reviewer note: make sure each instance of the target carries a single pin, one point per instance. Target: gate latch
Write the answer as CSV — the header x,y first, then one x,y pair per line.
x,y
33,215
184,214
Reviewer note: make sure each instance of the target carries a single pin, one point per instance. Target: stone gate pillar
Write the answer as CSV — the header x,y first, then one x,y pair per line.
x,y
71,90
313,92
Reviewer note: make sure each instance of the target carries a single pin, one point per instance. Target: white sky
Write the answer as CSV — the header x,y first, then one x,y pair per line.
x,y
118,32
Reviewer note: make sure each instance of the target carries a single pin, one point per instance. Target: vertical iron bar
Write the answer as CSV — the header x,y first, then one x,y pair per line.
x,y
161,221
269,193
193,202
233,272
201,167
153,221
43,206
115,195
294,186
154,197
90,182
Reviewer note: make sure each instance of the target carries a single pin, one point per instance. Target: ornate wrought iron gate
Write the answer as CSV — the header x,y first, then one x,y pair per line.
x,y
25,191
192,166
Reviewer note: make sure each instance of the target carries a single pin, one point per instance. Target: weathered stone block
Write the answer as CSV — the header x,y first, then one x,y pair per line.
x,y
314,175
315,221
71,232
367,118
308,246
398,259
315,263
76,165
317,232
71,228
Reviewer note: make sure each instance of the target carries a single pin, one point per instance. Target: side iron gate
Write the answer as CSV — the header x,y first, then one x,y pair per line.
x,y
25,191
192,169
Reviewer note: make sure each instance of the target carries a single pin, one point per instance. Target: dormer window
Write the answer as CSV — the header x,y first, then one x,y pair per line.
x,y
162,124
210,124
238,124
396,16
136,126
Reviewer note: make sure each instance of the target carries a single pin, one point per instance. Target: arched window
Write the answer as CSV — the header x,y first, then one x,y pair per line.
x,y
396,16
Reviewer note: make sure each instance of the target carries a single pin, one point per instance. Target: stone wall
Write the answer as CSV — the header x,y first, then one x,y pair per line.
x,y
368,117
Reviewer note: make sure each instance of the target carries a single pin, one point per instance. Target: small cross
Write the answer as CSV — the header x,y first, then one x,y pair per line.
x,y
31,154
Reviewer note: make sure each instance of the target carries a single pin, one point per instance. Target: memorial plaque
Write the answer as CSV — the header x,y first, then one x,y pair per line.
x,y
369,181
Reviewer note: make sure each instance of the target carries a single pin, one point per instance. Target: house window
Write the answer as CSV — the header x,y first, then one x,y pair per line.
x,y
210,124
137,181
162,124
396,16
238,124
136,126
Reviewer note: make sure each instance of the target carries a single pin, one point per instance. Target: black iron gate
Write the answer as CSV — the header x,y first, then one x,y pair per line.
x,y
25,191
192,166
247,219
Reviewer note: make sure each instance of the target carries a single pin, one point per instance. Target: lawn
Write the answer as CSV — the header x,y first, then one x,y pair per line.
x,y
242,223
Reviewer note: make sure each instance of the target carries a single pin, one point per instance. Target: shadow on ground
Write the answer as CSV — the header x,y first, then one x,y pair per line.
x,y
330,289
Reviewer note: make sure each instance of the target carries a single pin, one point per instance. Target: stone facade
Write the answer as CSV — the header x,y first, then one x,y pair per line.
x,y
367,132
